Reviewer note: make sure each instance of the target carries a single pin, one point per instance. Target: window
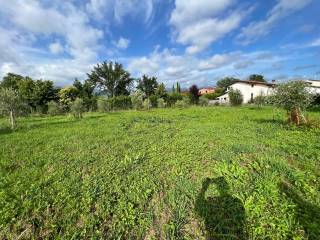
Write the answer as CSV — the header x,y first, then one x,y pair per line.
x,y
251,96
252,85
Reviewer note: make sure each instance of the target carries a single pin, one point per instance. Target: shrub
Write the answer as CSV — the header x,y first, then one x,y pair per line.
x,y
161,103
53,108
173,98
120,102
137,99
235,97
203,101
185,102
260,100
76,108
103,104
146,104
154,101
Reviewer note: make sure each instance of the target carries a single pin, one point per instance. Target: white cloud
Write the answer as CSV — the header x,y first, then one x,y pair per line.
x,y
119,9
198,23
282,9
123,43
55,48
216,61
29,21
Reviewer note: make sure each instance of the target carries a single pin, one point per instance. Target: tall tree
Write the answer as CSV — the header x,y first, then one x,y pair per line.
x,y
225,82
148,85
111,78
78,85
67,95
178,88
11,103
173,90
161,91
11,80
194,94
257,78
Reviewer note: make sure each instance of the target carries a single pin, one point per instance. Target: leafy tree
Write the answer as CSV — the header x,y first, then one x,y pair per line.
x,y
194,94
10,103
257,78
120,102
203,101
111,78
137,99
78,85
294,98
182,103
236,97
161,91
260,100
154,101
148,85
67,95
76,107
226,82
11,80
161,103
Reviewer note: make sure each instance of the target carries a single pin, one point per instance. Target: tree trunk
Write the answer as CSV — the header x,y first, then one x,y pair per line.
x,y
294,116
12,120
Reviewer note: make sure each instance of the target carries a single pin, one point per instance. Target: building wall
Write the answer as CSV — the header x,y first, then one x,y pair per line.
x,y
249,91
206,91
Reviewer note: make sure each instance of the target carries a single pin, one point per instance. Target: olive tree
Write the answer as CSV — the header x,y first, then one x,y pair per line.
x,y
11,104
76,108
294,97
137,99
236,97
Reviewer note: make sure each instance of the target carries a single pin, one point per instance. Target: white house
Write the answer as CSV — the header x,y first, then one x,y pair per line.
x,y
314,86
249,90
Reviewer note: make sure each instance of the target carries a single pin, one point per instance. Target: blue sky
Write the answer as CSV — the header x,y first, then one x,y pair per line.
x,y
190,41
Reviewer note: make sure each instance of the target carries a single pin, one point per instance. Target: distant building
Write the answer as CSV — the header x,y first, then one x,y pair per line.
x,y
249,90
207,90
314,86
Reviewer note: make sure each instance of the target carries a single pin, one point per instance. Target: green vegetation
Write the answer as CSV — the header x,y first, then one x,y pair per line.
x,y
193,173
236,98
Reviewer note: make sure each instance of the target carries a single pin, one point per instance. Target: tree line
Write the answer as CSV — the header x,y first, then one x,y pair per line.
x,y
108,87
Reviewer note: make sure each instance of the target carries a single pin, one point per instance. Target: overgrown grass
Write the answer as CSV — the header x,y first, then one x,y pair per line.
x,y
196,173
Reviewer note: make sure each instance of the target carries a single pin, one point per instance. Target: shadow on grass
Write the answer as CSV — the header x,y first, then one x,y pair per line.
x,y
306,213
223,215
4,131
272,121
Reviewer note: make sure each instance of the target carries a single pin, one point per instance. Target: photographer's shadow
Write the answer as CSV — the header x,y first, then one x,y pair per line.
x,y
223,215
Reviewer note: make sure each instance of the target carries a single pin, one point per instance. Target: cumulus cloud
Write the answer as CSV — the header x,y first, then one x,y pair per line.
x,y
30,21
122,43
198,23
258,29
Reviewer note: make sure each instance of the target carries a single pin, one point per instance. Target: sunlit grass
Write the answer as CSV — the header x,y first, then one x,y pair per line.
x,y
193,173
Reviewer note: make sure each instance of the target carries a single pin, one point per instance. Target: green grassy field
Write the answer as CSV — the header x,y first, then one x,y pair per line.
x,y
196,173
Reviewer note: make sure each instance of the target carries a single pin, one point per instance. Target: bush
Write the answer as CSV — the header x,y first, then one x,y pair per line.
x,y
173,98
154,101
260,100
161,103
235,97
146,104
203,101
120,102
103,104
53,108
76,108
137,99
185,102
